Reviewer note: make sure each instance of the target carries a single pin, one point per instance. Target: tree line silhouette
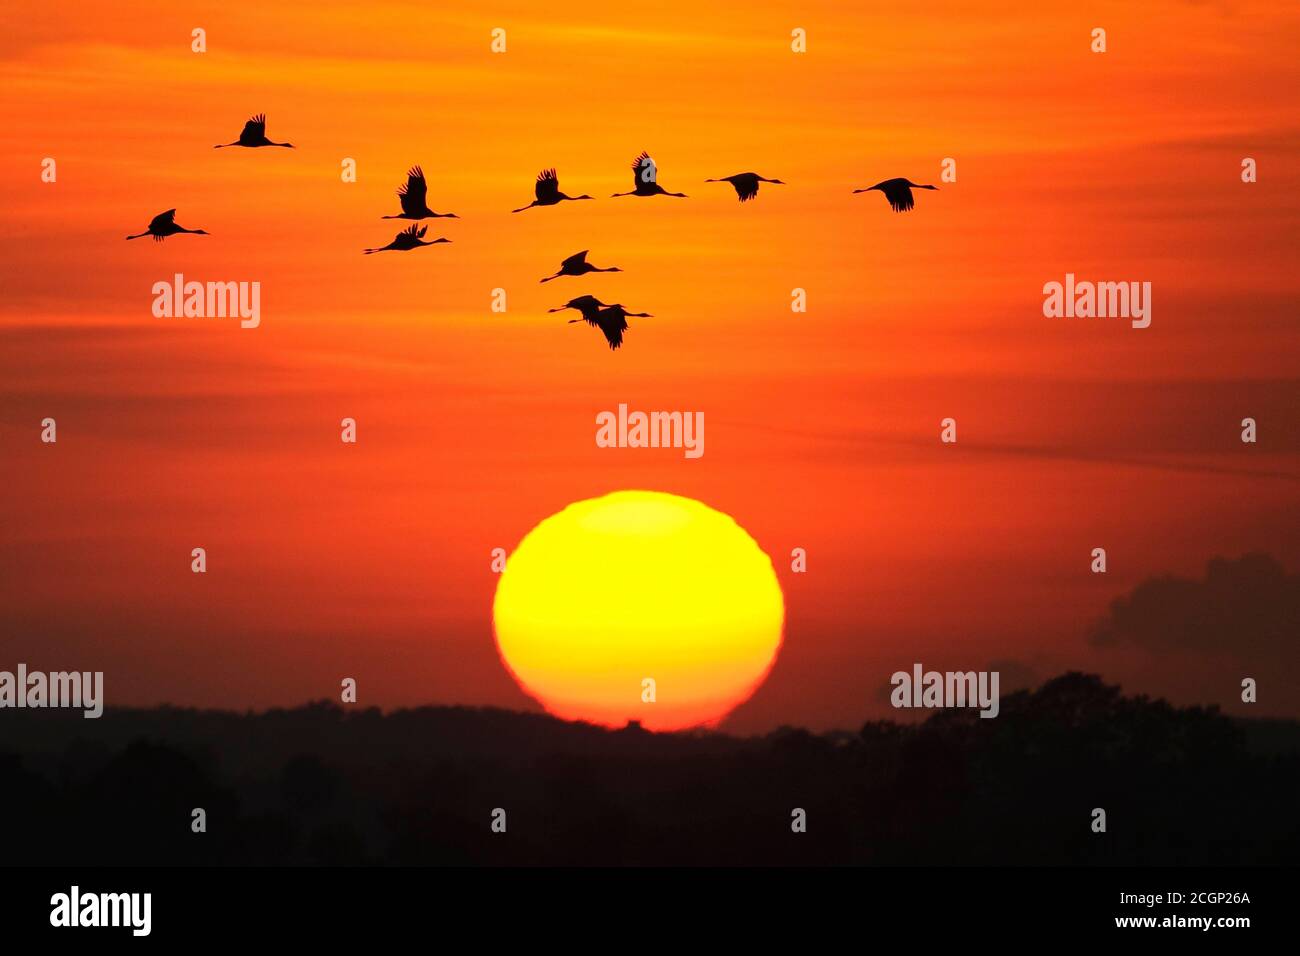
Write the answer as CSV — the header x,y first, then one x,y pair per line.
x,y
319,785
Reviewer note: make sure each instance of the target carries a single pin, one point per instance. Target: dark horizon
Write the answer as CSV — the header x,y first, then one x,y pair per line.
x,y
320,784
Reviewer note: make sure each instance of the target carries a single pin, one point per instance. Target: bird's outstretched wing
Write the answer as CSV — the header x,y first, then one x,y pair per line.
x,y
589,307
612,324
577,259
643,169
548,185
254,129
412,194
746,186
162,220
898,193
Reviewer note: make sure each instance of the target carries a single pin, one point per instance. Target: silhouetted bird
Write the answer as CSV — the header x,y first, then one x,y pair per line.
x,y
254,135
611,320
547,191
746,184
413,198
407,239
898,192
577,265
588,305
163,225
613,323
645,177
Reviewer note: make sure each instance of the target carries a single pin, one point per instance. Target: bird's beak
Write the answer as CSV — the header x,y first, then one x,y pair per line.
x,y
560,309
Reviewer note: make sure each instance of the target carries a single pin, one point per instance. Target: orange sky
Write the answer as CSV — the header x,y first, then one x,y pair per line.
x,y
371,561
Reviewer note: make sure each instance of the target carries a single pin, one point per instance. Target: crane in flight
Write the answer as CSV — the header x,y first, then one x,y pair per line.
x,y
413,195
588,305
645,179
547,191
254,135
746,184
577,265
163,225
410,238
898,192
610,319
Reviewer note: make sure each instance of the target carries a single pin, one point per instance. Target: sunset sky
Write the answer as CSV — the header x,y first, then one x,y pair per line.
x,y
328,560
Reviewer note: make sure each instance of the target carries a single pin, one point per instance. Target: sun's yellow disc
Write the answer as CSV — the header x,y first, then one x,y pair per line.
x,y
639,606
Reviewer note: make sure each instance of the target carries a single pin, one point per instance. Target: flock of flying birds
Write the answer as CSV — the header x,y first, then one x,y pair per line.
x,y
413,197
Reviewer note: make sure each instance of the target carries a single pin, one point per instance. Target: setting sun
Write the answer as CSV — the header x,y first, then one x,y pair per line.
x,y
637,587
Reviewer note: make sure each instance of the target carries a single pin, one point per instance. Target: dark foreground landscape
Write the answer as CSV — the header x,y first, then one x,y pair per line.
x,y
321,785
